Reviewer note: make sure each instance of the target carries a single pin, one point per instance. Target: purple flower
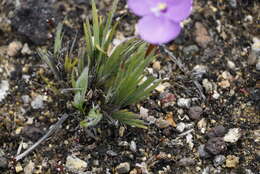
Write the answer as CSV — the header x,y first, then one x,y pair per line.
x,y
160,19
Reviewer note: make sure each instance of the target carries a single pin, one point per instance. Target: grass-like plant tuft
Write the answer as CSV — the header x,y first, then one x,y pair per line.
x,y
105,81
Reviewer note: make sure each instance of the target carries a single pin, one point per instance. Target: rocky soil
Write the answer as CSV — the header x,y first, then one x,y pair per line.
x,y
203,118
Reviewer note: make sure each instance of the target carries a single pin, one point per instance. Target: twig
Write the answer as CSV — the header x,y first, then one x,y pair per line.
x,y
183,68
52,129
19,148
185,133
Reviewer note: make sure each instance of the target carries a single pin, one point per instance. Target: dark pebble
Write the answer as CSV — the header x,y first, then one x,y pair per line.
x,y
3,163
33,21
195,112
32,133
216,146
218,131
203,153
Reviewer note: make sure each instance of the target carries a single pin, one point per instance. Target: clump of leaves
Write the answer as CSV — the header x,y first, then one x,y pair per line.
x,y
105,81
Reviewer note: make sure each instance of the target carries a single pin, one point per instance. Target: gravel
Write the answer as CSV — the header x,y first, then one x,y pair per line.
x,y
219,160
216,146
195,112
233,135
3,163
218,131
123,168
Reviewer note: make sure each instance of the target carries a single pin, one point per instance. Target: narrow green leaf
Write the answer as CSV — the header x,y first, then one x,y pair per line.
x,y
96,26
140,95
129,118
58,39
82,84
48,58
109,21
88,37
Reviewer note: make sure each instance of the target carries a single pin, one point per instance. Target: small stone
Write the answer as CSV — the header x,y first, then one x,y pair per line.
x,y
75,164
189,140
123,143
257,66
18,130
134,171
202,125
232,161
256,45
195,112
216,95
151,120
180,127
207,85
18,168
143,112
252,58
202,152
3,163
233,135
111,153
4,87
157,65
231,65
123,168
143,167
199,70
190,50
121,131
233,3
219,160
226,75
14,48
215,146
161,123
167,97
26,50
248,171
133,146
31,132
184,102
202,36
218,131
162,86
37,102
186,162
26,99
29,168
224,84
256,135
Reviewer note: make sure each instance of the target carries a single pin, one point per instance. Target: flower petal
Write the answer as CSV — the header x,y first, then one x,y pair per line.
x,y
179,10
158,30
139,7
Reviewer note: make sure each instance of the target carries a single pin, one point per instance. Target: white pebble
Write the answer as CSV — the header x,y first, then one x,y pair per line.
x,y
26,50
184,102
75,164
4,87
233,135
37,103
181,126
133,146
14,48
